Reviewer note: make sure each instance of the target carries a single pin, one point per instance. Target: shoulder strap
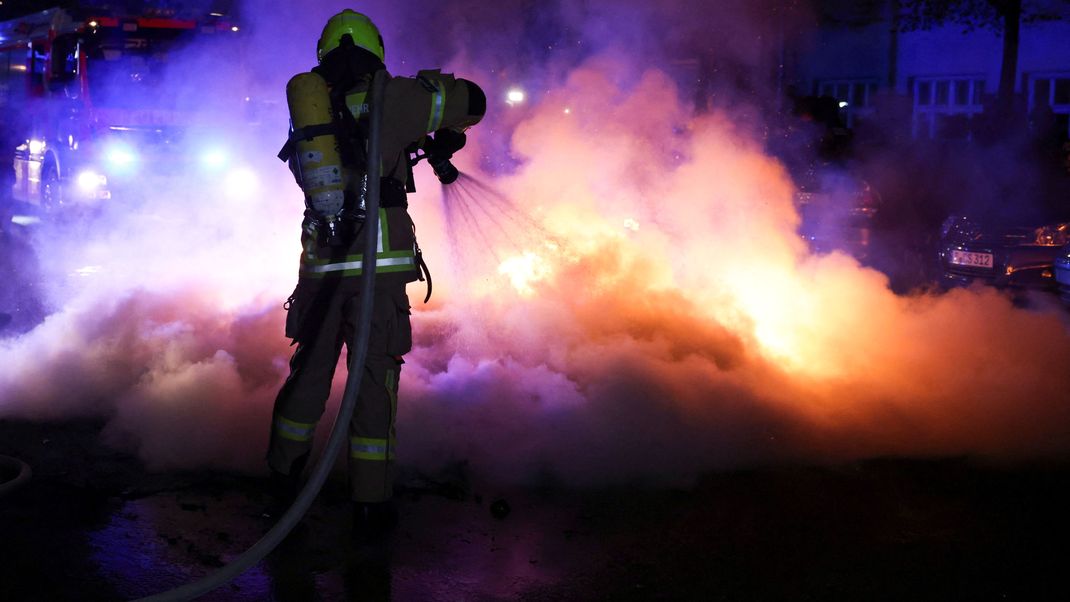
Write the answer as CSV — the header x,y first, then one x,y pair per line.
x,y
305,133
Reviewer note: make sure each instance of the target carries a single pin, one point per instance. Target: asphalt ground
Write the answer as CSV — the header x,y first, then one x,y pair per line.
x,y
92,524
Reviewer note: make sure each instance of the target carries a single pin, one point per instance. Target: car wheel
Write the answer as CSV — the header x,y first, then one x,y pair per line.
x,y
51,197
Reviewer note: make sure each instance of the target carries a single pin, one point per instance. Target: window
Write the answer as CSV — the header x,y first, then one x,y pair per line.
x,y
945,106
64,58
13,90
962,93
858,92
941,92
12,79
38,65
856,97
924,94
1052,90
1061,95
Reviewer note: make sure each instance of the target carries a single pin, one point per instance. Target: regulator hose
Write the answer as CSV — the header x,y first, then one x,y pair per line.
x,y
293,515
18,466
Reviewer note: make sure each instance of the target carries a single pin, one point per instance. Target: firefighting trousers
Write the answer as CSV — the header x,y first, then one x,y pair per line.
x,y
322,318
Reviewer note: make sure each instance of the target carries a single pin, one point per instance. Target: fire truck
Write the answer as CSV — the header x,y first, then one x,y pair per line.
x,y
90,99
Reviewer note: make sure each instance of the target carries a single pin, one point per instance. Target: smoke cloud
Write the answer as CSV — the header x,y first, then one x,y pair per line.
x,y
629,299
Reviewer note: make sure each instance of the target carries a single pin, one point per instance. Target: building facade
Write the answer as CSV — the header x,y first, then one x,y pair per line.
x,y
947,75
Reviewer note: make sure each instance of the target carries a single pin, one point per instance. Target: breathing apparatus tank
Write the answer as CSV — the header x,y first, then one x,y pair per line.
x,y
317,160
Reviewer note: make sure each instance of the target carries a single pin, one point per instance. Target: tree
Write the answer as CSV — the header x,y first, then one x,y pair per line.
x,y
1002,16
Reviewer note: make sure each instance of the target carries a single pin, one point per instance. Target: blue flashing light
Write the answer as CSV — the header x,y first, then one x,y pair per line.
x,y
120,157
214,158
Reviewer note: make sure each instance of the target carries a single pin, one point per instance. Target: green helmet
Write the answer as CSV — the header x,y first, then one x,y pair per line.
x,y
364,33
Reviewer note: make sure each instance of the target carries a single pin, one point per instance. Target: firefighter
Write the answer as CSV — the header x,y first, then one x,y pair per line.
x,y
432,109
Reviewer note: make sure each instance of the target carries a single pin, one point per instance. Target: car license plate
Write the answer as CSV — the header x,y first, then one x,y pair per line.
x,y
968,258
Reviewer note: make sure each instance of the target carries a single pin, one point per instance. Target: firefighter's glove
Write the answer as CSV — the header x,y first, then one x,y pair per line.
x,y
445,143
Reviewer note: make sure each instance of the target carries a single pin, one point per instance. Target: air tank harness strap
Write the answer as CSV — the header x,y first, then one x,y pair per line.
x,y
421,270
306,133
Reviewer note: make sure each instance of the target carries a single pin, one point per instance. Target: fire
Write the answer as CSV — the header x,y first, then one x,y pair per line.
x,y
666,317
786,318
524,270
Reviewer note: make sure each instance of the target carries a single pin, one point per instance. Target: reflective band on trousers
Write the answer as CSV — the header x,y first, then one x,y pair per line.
x,y
293,430
366,448
438,108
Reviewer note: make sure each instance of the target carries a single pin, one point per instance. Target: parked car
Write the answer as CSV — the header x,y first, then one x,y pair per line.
x,y
1062,272
1017,256
837,209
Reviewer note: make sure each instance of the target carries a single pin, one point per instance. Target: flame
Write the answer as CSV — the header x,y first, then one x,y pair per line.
x,y
525,270
707,337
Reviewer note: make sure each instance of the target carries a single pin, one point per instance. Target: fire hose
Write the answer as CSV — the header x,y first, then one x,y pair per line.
x,y
297,510
22,474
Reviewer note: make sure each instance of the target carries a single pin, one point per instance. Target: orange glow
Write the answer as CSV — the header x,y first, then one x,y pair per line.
x,y
523,271
634,300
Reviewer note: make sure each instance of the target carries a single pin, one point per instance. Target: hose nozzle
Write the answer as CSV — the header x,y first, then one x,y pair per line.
x,y
444,170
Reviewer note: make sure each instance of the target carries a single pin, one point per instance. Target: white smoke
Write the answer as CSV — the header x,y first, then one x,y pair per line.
x,y
635,303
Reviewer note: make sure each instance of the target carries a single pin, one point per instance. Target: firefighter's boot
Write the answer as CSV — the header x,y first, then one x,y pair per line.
x,y
283,488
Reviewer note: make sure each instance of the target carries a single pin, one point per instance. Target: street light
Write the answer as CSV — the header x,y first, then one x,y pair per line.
x,y
514,96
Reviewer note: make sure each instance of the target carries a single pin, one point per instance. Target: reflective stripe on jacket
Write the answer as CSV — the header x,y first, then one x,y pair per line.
x,y
318,261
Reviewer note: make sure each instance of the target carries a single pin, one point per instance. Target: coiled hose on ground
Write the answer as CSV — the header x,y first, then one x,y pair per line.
x,y
293,515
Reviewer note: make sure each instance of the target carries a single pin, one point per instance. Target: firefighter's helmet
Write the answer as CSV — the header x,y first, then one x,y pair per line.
x,y
359,27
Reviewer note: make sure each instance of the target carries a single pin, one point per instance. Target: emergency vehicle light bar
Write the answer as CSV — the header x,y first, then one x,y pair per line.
x,y
145,22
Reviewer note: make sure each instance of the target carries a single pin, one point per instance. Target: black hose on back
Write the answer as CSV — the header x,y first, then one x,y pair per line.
x,y
293,515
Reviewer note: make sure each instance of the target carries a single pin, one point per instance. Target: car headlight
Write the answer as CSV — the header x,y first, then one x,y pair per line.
x,y
1053,236
90,181
120,156
214,158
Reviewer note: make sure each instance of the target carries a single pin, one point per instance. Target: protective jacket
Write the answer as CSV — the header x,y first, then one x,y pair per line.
x,y
414,107
323,311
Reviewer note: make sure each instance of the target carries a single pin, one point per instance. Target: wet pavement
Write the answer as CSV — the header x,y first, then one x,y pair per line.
x,y
93,525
